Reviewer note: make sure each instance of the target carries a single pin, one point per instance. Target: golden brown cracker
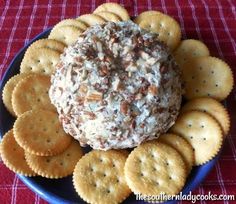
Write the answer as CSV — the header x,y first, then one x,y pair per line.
x,y
145,15
47,43
155,168
66,34
40,132
57,166
109,16
212,107
182,146
114,8
8,89
32,93
207,76
91,19
202,131
41,60
99,177
13,155
189,49
72,22
167,29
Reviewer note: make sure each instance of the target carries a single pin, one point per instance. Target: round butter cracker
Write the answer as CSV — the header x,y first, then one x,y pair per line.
x,y
108,16
32,93
182,146
40,132
207,76
145,15
8,89
57,166
99,177
114,8
65,34
189,49
155,168
202,131
47,43
41,60
212,107
13,155
72,22
91,19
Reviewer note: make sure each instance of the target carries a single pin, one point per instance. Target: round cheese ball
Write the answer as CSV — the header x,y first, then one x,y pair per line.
x,y
116,87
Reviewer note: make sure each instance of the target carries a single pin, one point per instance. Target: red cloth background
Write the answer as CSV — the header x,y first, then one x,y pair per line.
x,y
212,21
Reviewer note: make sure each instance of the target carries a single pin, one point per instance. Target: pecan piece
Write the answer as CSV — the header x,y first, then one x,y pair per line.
x,y
143,90
91,115
103,71
59,65
163,69
94,96
83,88
138,96
133,124
124,107
153,90
80,100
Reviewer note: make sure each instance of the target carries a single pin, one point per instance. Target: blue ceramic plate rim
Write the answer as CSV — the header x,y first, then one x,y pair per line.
x,y
197,175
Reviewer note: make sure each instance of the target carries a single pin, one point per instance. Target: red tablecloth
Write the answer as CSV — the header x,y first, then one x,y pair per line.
x,y
212,21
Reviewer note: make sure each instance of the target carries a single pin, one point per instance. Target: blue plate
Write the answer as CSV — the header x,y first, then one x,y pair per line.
x,y
61,190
